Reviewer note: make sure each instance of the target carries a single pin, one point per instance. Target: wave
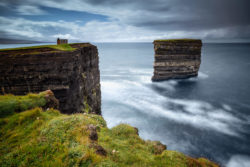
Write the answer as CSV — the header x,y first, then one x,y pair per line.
x,y
200,114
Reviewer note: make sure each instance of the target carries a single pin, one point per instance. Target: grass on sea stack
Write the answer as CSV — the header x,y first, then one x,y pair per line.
x,y
177,40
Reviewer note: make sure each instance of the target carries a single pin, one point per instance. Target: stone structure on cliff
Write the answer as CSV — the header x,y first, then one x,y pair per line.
x,y
73,76
61,41
176,58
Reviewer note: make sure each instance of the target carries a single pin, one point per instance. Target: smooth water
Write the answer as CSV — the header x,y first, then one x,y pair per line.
x,y
207,116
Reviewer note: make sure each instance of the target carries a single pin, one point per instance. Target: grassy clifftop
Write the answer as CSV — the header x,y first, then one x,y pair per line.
x,y
62,47
45,137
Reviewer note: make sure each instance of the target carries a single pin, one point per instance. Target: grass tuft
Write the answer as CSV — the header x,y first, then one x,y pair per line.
x,y
10,103
177,40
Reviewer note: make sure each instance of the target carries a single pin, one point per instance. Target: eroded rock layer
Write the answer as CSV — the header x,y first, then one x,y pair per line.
x,y
73,76
175,59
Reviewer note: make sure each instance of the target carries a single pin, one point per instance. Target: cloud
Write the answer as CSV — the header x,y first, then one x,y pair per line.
x,y
29,10
95,31
224,20
165,14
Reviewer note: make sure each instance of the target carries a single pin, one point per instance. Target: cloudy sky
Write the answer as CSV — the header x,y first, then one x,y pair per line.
x,y
125,20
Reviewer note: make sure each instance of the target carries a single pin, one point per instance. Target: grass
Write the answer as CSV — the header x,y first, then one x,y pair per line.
x,y
62,47
176,40
48,138
10,103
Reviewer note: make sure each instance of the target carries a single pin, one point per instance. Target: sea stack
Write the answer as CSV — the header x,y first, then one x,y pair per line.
x,y
176,58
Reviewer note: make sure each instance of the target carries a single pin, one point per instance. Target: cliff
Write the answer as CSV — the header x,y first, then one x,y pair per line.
x,y
176,59
70,71
46,137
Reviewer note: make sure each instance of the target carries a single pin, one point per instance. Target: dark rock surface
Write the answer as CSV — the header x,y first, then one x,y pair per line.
x,y
93,133
100,150
176,59
158,147
73,76
51,101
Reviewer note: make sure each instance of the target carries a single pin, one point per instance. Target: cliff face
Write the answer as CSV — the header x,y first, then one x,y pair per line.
x,y
73,76
176,58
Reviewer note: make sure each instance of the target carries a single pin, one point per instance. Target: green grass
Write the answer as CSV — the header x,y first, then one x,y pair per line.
x,y
10,103
176,40
62,47
48,138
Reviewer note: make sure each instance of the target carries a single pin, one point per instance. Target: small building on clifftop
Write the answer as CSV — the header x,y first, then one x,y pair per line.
x,y
176,58
62,41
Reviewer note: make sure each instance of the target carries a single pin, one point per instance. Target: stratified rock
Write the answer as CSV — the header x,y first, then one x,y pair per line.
x,y
176,59
73,76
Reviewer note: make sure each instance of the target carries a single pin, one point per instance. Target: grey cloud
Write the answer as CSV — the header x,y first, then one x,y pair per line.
x,y
29,10
209,13
183,15
162,15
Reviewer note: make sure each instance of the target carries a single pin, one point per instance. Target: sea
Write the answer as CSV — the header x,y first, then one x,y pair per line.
x,y
205,116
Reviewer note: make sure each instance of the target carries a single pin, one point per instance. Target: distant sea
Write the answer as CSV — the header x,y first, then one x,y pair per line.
x,y
207,116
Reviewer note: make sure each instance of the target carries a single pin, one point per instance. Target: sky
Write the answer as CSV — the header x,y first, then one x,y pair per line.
x,y
125,20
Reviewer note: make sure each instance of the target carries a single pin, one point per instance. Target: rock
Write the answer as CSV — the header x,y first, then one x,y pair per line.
x,y
136,130
51,101
92,127
100,150
176,59
73,76
93,134
158,147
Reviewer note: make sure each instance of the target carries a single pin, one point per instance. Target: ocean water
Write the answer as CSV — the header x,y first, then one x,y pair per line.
x,y
207,116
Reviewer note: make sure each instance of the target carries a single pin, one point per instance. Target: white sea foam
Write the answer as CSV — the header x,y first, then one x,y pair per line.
x,y
239,161
202,75
193,112
168,85
140,71
111,75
